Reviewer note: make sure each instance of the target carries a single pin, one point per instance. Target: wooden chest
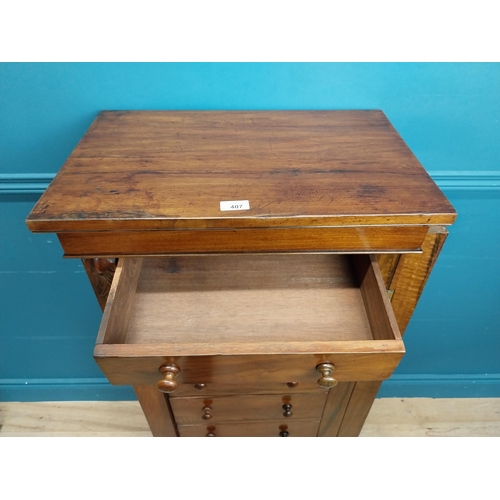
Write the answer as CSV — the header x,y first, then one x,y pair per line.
x,y
255,253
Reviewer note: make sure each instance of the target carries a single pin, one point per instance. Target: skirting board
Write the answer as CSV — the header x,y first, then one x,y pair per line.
x,y
441,386
26,183
398,386
67,389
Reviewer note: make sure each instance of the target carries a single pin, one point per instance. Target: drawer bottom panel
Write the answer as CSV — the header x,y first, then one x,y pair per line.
x,y
276,428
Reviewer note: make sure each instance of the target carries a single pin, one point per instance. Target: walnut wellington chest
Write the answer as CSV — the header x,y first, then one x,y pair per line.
x,y
256,269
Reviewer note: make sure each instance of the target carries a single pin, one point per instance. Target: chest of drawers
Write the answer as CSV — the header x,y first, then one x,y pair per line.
x,y
266,314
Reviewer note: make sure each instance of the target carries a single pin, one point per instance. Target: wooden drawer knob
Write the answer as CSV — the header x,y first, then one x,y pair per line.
x,y
207,413
284,434
326,381
288,410
168,384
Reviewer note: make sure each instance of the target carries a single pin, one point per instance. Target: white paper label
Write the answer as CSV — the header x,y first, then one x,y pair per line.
x,y
234,205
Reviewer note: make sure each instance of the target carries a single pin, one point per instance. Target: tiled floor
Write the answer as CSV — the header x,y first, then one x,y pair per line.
x,y
389,417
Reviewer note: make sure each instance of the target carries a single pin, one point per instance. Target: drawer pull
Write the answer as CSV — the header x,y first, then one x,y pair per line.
x,y
207,415
200,386
288,410
284,434
168,384
211,435
326,381
292,384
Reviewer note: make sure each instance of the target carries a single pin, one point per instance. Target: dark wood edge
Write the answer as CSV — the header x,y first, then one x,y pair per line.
x,y
118,308
361,348
377,304
100,272
335,407
157,411
411,275
360,403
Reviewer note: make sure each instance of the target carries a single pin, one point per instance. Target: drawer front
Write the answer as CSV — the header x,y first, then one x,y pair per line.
x,y
354,329
238,408
304,239
277,428
247,374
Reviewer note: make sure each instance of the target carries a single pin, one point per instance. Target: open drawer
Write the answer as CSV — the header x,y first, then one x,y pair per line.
x,y
247,323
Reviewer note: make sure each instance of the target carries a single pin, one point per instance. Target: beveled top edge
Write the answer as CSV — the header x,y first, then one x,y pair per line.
x,y
168,224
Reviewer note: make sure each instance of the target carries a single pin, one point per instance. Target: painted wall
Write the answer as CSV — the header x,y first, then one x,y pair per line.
x,y
448,114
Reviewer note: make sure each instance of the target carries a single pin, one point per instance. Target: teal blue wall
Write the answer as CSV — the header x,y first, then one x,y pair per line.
x,y
449,115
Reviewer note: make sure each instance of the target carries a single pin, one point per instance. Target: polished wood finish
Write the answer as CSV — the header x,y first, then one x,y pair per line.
x,y
100,273
305,406
156,408
287,410
231,374
137,170
336,404
269,428
326,380
257,322
388,262
360,402
127,274
408,275
411,276
168,384
253,312
312,239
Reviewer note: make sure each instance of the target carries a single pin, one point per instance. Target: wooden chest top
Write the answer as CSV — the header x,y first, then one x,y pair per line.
x,y
137,170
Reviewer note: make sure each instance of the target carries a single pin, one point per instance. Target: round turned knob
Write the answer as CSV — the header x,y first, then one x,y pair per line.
x,y
292,384
207,415
168,384
326,380
211,435
284,434
288,410
200,386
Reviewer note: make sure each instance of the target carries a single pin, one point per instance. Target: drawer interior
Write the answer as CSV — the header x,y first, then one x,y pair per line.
x,y
251,299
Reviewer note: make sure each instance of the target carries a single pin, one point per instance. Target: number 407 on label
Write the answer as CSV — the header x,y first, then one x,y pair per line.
x,y
234,205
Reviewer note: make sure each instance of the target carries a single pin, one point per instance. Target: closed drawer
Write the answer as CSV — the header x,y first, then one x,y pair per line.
x,y
247,323
239,408
252,429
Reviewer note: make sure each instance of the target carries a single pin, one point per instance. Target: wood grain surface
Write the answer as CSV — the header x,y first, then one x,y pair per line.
x,y
311,239
360,403
220,317
335,408
136,170
411,275
150,183
251,374
157,410
270,428
100,273
307,406
250,298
